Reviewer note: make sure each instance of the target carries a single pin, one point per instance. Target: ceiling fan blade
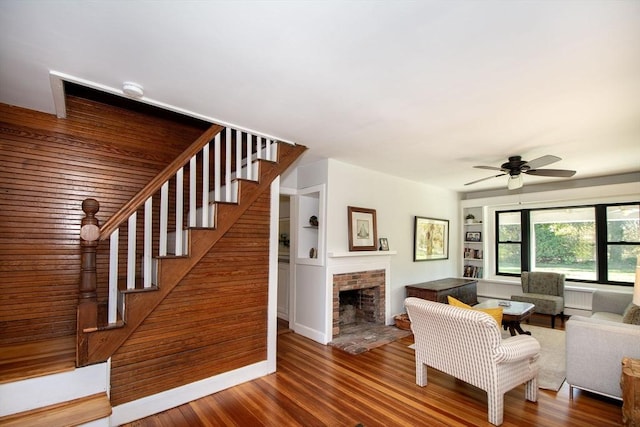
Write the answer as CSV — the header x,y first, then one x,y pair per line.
x,y
484,179
561,173
543,161
491,168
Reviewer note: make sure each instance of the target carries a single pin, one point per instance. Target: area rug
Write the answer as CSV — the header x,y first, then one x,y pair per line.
x,y
552,371
356,339
552,356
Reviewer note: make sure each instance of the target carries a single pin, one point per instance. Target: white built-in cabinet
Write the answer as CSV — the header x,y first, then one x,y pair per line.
x,y
310,247
473,247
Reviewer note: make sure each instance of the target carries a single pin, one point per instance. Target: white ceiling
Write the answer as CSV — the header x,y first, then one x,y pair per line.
x,y
421,89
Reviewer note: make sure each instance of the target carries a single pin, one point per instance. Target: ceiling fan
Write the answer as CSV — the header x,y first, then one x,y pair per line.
x,y
515,167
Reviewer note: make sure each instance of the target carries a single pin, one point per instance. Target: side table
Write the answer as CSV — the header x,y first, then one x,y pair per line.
x,y
630,384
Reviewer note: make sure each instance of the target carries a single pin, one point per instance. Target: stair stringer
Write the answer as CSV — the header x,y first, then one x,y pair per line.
x,y
102,343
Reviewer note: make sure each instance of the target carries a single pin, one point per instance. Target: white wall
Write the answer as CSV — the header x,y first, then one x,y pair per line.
x,y
396,201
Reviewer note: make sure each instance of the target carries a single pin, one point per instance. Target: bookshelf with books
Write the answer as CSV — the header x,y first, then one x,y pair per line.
x,y
473,249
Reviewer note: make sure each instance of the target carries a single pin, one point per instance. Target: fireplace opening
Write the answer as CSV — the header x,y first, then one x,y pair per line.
x,y
358,299
359,306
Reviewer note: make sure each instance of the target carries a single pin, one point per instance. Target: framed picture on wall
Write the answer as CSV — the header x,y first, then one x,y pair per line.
x,y
431,239
362,229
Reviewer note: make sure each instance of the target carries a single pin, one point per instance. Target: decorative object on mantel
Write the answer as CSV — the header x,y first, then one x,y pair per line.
x,y
363,235
431,239
470,219
384,244
313,221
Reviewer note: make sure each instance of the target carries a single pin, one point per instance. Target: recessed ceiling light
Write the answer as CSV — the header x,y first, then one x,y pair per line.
x,y
132,89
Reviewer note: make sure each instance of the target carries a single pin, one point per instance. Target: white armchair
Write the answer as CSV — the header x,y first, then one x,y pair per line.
x,y
467,344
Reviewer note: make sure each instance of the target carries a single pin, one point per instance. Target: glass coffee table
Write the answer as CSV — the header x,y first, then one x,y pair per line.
x,y
513,313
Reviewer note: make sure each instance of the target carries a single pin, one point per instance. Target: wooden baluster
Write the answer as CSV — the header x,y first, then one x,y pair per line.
x,y
88,296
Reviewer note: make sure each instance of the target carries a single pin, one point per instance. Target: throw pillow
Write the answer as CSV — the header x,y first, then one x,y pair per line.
x,y
457,303
496,313
631,314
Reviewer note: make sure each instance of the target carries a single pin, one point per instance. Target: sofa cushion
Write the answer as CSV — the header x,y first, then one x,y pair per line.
x,y
611,317
545,304
631,314
496,313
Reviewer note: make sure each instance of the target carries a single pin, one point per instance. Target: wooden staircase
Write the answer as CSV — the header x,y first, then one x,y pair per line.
x,y
97,339
100,344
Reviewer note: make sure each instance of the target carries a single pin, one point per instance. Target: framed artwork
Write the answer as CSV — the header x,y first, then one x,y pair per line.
x,y
473,236
384,244
362,229
431,239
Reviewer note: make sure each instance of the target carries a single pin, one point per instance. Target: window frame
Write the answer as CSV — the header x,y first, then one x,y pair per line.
x,y
601,236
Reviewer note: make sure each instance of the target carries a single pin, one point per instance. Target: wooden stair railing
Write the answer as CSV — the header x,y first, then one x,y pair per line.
x,y
97,342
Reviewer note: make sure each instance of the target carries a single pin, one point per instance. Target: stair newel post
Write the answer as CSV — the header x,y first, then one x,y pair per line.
x,y
88,297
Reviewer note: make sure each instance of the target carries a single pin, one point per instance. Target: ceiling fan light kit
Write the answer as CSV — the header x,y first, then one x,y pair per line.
x,y
515,182
515,167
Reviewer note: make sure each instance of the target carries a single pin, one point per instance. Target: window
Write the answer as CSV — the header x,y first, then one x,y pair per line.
x,y
586,243
623,242
509,242
564,241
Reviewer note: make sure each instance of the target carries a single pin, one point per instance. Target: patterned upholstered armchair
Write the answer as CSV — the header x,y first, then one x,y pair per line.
x,y
467,345
545,291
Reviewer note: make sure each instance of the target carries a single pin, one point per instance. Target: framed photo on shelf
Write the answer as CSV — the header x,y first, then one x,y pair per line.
x,y
362,229
431,239
384,244
473,236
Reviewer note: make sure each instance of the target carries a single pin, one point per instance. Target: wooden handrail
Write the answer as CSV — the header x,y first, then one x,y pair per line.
x,y
154,185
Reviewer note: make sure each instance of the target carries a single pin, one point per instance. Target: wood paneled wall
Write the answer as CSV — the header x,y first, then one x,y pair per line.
x,y
49,166
214,321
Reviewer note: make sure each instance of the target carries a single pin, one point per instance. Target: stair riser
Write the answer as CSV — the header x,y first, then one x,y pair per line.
x,y
33,393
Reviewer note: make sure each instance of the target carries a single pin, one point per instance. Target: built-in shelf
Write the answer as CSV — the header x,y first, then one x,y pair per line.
x,y
473,266
310,248
360,253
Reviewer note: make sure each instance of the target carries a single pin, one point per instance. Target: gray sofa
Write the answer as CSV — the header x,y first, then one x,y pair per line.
x,y
597,344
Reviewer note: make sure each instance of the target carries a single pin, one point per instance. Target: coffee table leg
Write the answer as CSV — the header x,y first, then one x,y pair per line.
x,y
515,328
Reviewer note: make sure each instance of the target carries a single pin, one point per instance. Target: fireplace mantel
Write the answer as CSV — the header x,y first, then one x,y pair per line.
x,y
360,253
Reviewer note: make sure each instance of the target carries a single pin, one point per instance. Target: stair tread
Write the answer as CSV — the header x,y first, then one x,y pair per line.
x,y
28,360
71,413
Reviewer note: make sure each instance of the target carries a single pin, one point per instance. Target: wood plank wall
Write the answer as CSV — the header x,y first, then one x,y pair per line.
x,y
49,166
214,321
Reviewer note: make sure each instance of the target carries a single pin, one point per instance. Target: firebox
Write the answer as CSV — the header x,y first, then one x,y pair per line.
x,y
358,297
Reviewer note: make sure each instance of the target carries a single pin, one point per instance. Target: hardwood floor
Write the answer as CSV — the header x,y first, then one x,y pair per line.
x,y
317,385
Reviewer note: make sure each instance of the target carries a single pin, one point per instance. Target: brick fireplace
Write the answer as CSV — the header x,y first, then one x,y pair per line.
x,y
363,297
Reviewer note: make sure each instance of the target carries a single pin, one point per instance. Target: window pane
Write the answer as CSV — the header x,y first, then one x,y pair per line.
x,y
621,266
623,223
509,258
564,241
623,226
509,229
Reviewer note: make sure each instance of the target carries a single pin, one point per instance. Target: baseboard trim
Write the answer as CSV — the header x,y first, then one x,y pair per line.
x,y
159,402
